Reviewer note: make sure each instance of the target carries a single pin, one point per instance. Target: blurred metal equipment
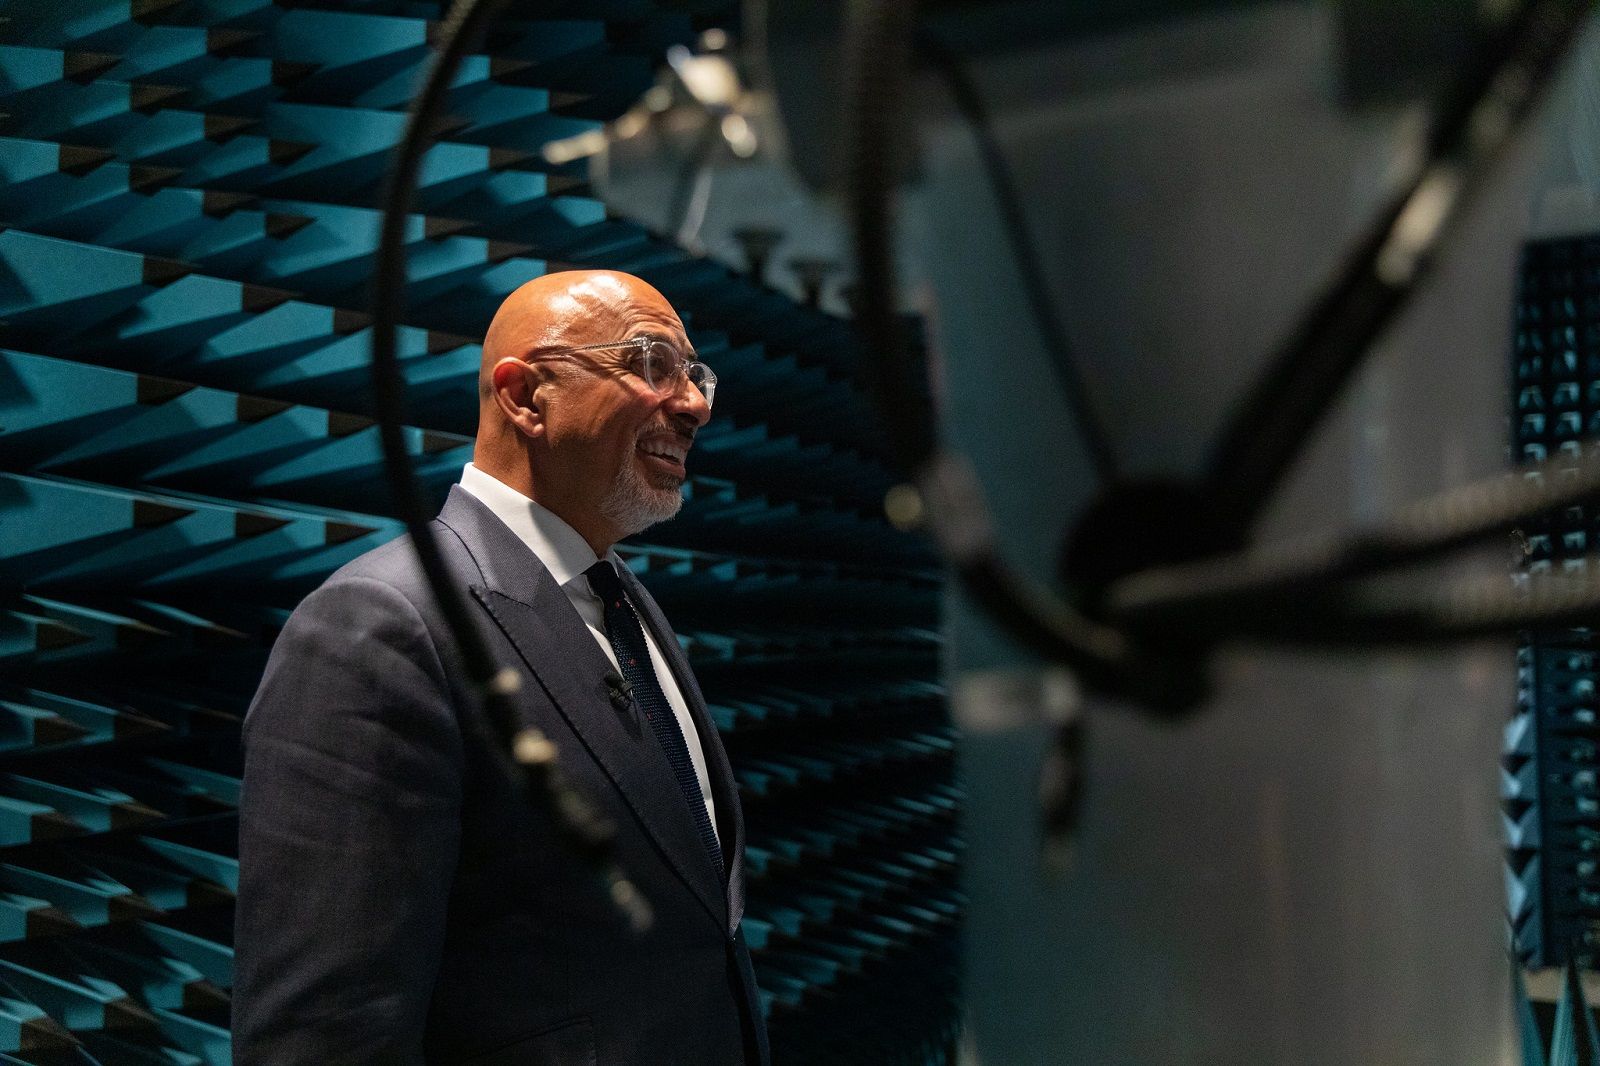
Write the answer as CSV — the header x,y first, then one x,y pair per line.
x,y
694,91
706,108
1001,702
1159,569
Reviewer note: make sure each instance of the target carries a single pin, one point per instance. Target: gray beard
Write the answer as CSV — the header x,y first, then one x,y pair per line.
x,y
633,505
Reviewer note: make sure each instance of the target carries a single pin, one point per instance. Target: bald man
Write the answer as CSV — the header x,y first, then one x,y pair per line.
x,y
398,903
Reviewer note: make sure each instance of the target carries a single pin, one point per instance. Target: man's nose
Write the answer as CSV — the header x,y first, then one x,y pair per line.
x,y
688,403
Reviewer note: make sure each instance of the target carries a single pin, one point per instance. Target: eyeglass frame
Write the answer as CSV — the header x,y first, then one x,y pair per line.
x,y
707,388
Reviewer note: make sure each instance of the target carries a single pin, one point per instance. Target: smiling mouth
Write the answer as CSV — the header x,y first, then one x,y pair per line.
x,y
666,455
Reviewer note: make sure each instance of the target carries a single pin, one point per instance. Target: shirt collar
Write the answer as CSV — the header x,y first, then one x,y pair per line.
x,y
561,549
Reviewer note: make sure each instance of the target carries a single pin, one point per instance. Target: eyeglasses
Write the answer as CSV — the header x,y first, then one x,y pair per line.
x,y
656,361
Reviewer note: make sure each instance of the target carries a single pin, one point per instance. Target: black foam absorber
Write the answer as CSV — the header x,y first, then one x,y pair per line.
x,y
1551,771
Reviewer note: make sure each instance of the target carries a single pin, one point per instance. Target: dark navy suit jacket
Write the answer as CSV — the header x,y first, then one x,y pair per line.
x,y
397,902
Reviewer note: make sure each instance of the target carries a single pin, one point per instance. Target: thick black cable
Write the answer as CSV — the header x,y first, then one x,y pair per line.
x,y
581,827
1091,422
1104,658
1428,529
1388,615
1386,267
877,61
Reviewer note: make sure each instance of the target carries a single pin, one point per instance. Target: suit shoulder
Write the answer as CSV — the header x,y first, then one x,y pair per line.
x,y
395,563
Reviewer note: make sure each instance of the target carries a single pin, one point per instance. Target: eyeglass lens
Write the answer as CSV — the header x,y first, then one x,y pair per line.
x,y
660,364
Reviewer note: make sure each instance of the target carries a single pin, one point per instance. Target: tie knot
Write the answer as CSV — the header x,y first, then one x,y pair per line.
x,y
604,581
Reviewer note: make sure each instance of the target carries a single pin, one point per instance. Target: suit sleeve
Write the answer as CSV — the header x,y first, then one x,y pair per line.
x,y
348,834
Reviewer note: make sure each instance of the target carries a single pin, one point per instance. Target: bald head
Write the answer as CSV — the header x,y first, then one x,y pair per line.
x,y
565,310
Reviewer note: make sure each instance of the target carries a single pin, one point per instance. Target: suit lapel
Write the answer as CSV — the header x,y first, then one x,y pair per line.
x,y
564,658
724,790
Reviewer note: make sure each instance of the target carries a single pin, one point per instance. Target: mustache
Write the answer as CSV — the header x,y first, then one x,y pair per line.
x,y
666,429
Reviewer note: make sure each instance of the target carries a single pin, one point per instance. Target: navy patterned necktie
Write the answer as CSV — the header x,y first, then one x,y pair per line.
x,y
633,655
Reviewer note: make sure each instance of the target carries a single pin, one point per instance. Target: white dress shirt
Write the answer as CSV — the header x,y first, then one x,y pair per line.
x,y
567,556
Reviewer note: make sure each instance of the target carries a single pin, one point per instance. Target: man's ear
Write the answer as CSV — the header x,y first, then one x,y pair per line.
x,y
517,390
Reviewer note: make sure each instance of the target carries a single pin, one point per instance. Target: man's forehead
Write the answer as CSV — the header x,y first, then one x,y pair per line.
x,y
576,307
605,299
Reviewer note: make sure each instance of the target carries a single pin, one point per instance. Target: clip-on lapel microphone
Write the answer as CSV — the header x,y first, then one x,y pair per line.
x,y
619,690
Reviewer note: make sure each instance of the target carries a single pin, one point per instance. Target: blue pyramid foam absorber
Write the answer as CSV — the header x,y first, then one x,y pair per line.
x,y
188,215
